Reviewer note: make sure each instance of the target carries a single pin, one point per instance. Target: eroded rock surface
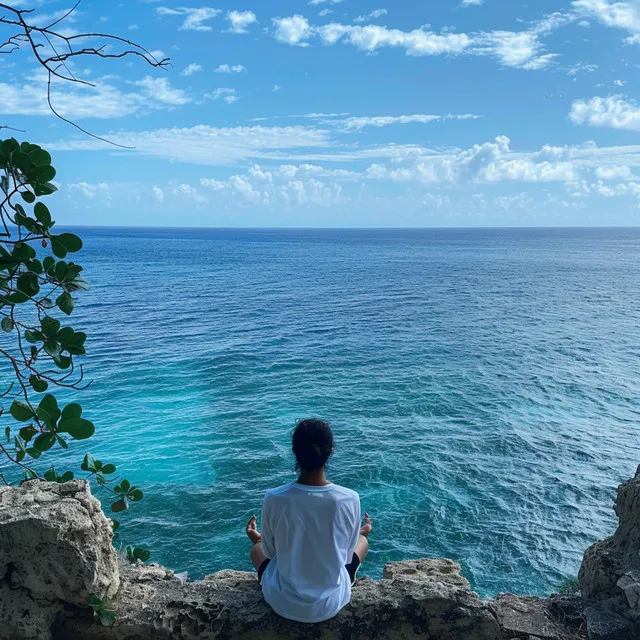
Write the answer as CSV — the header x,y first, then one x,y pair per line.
x,y
55,548
610,572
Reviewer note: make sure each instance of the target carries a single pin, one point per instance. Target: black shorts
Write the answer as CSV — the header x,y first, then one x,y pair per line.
x,y
352,568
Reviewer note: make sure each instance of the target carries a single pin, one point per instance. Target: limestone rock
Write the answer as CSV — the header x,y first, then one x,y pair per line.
x,y
605,625
55,548
421,599
608,560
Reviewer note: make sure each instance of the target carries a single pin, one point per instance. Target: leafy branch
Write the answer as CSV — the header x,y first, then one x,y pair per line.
x,y
38,286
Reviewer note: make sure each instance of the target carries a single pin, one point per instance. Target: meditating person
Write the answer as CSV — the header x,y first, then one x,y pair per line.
x,y
311,544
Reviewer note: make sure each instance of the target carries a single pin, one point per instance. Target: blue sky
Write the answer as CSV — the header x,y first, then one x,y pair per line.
x,y
346,113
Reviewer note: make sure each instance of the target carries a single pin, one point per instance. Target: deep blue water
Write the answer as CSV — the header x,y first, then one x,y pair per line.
x,y
483,385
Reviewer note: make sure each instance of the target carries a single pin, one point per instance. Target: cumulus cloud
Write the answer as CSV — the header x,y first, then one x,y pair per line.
x,y
240,20
470,3
225,93
195,18
91,191
293,30
194,67
622,15
616,112
162,91
515,49
376,13
234,68
271,187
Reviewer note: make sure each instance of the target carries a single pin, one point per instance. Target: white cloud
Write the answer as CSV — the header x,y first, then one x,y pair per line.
x,y
515,49
277,187
162,91
615,112
91,191
317,2
205,145
622,15
376,13
227,94
194,67
133,27
240,20
195,17
158,194
77,102
469,3
234,68
631,40
383,121
613,173
276,88
292,30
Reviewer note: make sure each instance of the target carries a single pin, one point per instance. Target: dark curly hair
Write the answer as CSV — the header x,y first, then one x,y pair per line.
x,y
312,444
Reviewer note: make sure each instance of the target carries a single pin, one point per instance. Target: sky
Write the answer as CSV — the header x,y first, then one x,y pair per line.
x,y
343,113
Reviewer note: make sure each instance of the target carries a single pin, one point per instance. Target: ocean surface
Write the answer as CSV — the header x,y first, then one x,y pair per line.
x,y
483,385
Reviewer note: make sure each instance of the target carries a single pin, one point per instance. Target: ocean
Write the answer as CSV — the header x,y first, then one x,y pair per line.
x,y
483,386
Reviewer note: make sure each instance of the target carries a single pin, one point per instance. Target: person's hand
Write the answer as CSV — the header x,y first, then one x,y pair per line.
x,y
252,530
366,528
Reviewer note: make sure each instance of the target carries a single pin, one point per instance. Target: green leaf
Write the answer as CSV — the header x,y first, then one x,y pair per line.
x,y
44,441
71,242
115,525
45,189
48,409
20,411
39,386
58,248
135,496
7,433
48,263
62,442
42,214
40,156
125,485
108,468
32,451
7,324
20,456
66,476
17,298
22,161
71,411
31,336
27,196
50,326
26,433
65,303
50,475
28,283
88,463
77,428
42,174
107,617
119,505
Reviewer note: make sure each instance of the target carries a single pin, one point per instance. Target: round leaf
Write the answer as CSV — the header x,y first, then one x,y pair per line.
x,y
7,324
20,411
71,242
77,428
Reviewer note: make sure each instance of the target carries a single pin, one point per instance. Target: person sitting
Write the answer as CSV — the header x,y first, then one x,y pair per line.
x,y
311,544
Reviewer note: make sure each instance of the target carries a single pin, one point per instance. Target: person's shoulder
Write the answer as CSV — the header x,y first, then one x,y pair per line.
x,y
346,492
278,491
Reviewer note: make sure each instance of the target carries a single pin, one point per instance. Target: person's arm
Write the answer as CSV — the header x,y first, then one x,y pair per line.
x,y
268,538
355,534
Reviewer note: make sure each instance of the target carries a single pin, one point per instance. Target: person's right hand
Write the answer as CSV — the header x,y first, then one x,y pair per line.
x,y
366,528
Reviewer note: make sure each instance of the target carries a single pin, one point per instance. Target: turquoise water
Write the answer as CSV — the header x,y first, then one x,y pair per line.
x,y
483,386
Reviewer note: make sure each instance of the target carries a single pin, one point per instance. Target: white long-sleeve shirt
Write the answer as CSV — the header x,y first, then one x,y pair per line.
x,y
310,534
